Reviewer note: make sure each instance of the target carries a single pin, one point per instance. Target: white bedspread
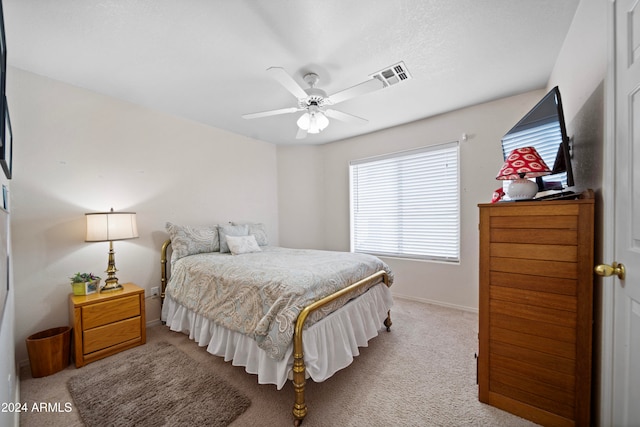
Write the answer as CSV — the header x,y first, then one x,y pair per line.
x,y
329,344
260,294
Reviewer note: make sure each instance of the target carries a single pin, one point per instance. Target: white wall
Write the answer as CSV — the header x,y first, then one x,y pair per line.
x,y
582,62
324,172
300,189
77,151
8,375
580,72
9,386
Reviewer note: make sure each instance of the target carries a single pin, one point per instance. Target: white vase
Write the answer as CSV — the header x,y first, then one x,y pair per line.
x,y
522,189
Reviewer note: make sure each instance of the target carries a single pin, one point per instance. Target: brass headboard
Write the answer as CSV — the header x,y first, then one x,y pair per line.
x,y
163,268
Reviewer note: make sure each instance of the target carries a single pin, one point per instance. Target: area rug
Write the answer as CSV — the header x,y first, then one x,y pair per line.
x,y
154,385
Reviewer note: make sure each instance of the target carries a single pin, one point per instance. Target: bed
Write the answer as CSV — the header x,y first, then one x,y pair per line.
x,y
282,314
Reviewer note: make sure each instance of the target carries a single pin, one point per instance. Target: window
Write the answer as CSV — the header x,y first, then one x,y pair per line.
x,y
407,204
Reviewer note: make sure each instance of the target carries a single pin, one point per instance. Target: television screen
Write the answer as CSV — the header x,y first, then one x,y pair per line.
x,y
544,129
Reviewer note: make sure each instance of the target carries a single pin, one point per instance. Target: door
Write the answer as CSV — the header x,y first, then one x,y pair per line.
x,y
625,386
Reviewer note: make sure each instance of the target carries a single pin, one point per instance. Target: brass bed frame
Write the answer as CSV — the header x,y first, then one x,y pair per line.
x,y
299,368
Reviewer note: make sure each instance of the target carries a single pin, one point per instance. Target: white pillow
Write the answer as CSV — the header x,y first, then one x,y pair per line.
x,y
231,230
243,244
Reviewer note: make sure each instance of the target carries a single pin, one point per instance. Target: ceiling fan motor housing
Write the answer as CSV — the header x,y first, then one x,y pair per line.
x,y
315,96
317,99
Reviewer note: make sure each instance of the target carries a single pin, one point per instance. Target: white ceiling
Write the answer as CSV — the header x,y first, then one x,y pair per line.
x,y
205,60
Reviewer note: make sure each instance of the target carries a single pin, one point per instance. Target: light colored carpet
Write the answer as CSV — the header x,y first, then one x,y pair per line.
x,y
422,373
125,391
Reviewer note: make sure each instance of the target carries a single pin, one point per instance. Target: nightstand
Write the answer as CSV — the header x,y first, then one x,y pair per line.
x,y
106,323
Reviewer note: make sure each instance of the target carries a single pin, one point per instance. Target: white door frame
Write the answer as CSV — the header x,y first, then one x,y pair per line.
x,y
605,417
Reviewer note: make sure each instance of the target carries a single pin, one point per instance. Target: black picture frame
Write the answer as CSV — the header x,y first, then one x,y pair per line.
x,y
3,54
5,153
6,140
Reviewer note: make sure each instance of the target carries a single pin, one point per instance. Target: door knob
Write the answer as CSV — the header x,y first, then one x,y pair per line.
x,y
608,270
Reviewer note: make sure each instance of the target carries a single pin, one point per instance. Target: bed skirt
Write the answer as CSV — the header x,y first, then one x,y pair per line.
x,y
329,345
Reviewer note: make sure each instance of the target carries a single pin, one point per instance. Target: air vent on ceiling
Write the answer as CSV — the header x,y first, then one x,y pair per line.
x,y
393,74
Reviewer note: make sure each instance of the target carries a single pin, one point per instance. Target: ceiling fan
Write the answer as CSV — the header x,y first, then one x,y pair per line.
x,y
314,102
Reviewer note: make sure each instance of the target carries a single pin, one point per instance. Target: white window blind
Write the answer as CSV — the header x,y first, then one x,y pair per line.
x,y
407,204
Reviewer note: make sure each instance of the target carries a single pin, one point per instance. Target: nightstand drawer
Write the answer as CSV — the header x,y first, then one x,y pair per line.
x,y
105,336
107,312
107,323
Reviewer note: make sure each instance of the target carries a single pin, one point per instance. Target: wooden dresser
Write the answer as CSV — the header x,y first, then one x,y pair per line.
x,y
107,323
536,288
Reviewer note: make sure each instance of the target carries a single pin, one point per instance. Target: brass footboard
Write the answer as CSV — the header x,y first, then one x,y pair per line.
x,y
299,368
163,268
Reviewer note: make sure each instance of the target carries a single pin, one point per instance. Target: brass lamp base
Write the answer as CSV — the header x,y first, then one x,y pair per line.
x,y
112,287
111,284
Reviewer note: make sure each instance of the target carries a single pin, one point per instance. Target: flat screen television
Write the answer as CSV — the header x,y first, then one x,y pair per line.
x,y
544,129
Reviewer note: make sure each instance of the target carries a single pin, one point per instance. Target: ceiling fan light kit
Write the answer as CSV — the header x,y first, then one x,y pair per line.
x,y
313,121
314,102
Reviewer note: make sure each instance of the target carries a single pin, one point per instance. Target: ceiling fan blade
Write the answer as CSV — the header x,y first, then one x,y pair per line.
x,y
287,81
271,113
344,117
357,90
301,134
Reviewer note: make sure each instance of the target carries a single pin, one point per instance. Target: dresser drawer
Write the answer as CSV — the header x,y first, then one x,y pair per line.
x,y
535,312
105,336
111,311
107,323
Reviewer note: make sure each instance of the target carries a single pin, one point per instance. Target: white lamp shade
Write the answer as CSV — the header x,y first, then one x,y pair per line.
x,y
313,121
109,226
318,122
303,121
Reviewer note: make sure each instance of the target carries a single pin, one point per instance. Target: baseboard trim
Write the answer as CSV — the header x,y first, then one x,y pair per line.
x,y
154,322
434,302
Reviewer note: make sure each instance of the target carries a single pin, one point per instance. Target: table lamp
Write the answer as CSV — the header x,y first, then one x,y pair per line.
x,y
107,227
521,164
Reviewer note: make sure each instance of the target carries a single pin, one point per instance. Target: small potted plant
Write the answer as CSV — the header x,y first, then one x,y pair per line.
x,y
85,283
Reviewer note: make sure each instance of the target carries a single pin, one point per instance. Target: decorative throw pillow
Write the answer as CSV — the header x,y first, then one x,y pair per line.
x,y
191,240
231,230
260,231
242,244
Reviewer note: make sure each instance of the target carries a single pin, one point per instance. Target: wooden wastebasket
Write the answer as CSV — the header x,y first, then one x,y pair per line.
x,y
49,351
